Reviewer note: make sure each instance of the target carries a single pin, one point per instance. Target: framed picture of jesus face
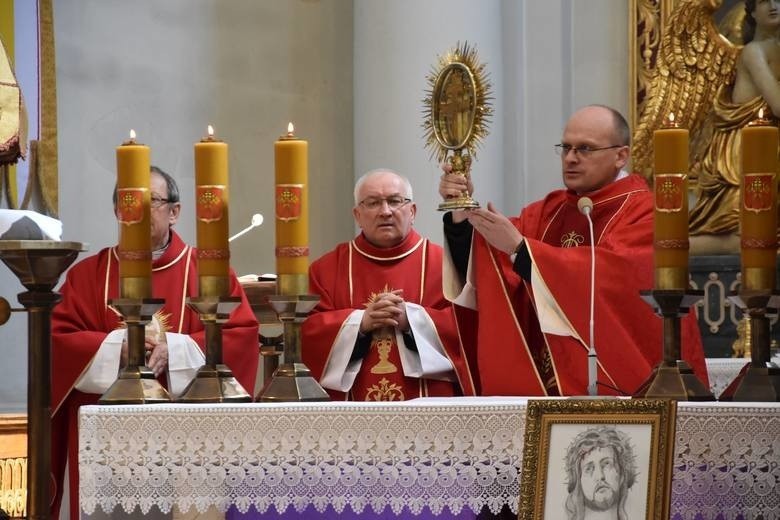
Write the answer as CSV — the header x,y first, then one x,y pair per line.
x,y
597,459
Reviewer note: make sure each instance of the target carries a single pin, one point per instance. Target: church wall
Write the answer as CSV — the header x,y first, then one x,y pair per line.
x,y
545,59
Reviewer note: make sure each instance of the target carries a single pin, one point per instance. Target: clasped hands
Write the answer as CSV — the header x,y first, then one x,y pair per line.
x,y
496,228
387,310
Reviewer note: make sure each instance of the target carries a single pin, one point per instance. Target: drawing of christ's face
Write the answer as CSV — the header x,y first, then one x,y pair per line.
x,y
600,479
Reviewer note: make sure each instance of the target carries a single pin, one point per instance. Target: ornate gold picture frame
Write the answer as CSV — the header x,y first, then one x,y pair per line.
x,y
598,455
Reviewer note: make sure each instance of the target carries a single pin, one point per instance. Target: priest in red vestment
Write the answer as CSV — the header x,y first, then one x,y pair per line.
x,y
88,342
528,277
383,330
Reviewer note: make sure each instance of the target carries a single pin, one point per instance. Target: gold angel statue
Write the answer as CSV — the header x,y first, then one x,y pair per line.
x,y
714,87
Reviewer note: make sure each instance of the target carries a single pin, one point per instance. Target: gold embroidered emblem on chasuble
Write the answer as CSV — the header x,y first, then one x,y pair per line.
x,y
572,239
385,391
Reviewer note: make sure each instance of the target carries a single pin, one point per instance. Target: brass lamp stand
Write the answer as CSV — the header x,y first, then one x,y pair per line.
x,y
292,381
38,264
136,383
673,378
214,382
759,380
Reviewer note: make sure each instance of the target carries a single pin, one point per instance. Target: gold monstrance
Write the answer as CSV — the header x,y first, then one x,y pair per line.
x,y
457,111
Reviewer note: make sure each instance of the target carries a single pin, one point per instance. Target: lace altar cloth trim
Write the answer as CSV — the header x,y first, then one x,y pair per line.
x,y
722,372
727,461
460,454
368,457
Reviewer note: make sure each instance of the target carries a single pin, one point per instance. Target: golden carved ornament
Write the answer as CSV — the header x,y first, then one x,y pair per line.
x,y
692,62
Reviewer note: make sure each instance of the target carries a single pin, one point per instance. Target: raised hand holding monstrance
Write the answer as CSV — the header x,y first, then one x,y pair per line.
x,y
457,112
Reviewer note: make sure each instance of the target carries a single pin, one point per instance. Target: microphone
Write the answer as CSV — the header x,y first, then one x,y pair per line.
x,y
257,220
585,205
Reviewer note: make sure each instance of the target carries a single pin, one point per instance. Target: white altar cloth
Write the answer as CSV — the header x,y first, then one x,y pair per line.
x,y
458,453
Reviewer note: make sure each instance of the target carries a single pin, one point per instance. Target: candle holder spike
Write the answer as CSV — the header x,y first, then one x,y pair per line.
x,y
136,383
38,264
759,380
673,378
292,381
214,382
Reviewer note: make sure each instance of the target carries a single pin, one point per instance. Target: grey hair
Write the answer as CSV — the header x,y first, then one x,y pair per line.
x,y
363,178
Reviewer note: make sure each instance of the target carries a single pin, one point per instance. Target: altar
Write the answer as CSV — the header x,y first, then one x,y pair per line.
x,y
435,456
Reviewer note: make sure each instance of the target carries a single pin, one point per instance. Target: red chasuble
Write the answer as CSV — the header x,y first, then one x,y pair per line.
x,y
516,358
82,320
346,279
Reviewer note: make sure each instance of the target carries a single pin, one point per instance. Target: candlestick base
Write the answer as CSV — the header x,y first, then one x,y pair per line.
x,y
677,382
292,381
214,381
754,383
214,385
136,383
673,378
758,380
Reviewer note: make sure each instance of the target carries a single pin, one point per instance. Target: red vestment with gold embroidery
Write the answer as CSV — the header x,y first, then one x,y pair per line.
x,y
515,357
346,279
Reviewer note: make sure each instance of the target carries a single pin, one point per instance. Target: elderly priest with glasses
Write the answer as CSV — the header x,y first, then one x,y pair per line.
x,y
383,330
528,277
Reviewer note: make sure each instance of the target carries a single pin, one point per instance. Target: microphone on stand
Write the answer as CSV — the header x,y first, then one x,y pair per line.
x,y
257,220
585,205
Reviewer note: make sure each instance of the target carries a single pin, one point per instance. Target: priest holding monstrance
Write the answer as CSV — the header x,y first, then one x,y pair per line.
x,y
529,277
88,341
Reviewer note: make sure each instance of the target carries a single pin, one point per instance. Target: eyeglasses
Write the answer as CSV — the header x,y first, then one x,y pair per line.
x,y
394,203
157,202
583,150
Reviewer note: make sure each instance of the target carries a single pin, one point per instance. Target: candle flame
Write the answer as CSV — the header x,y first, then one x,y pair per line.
x,y
132,134
671,117
290,128
211,131
761,113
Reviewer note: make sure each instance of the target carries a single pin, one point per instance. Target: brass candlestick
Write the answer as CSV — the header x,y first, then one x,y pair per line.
x,y
673,378
759,380
136,383
214,382
292,381
38,264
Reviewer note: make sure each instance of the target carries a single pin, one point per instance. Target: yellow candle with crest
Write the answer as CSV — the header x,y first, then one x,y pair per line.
x,y
758,211
133,200
212,217
670,149
292,208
